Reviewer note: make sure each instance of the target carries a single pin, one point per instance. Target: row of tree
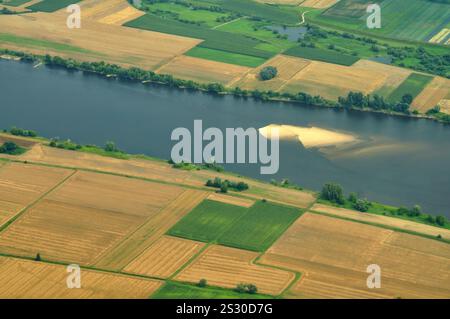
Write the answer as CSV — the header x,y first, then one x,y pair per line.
x,y
226,184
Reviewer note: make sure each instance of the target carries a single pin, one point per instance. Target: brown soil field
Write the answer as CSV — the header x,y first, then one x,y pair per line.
x,y
21,185
437,90
203,71
383,220
112,43
287,67
164,257
24,279
85,217
333,255
332,80
151,231
318,4
115,12
227,267
21,141
233,200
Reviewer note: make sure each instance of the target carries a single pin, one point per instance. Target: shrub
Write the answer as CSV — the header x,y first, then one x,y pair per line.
x,y
202,283
246,288
10,148
362,205
268,73
440,220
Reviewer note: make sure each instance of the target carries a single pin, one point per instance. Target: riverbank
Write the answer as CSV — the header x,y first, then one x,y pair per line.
x,y
143,76
283,192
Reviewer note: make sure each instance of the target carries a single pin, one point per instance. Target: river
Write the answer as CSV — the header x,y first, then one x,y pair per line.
x,y
402,161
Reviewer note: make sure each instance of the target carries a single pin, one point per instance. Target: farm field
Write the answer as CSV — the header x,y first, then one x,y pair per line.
x,y
15,3
318,4
415,20
333,255
225,57
174,290
414,84
201,70
21,185
332,80
65,225
322,55
208,221
116,12
26,279
226,267
287,67
51,5
260,226
233,200
382,220
436,91
164,257
151,231
124,46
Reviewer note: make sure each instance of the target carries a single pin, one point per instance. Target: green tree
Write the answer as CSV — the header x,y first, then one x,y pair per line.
x,y
440,220
110,147
333,192
268,73
202,283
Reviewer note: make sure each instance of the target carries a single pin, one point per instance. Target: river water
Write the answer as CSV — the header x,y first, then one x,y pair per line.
x,y
401,161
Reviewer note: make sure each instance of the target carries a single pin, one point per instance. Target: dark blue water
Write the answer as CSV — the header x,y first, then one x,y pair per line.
x,y
402,161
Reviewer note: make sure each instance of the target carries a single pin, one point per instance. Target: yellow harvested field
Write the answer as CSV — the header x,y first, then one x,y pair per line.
x,y
393,75
233,200
21,185
332,80
135,167
151,231
115,12
115,44
318,4
85,217
201,70
434,92
383,220
161,171
24,279
227,267
164,257
287,67
333,256
444,105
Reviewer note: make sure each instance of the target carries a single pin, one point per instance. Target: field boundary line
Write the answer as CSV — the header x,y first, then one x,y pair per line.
x,y
26,208
221,25
189,262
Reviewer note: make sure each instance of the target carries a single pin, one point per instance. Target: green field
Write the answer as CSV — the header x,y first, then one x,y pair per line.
x,y
171,10
15,3
51,5
226,57
173,290
414,20
208,221
255,9
322,55
214,39
413,85
260,227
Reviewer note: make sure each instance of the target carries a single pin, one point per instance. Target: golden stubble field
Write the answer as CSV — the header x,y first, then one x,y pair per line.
x,y
383,220
333,256
21,185
36,280
99,35
164,257
436,91
85,217
203,71
227,267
